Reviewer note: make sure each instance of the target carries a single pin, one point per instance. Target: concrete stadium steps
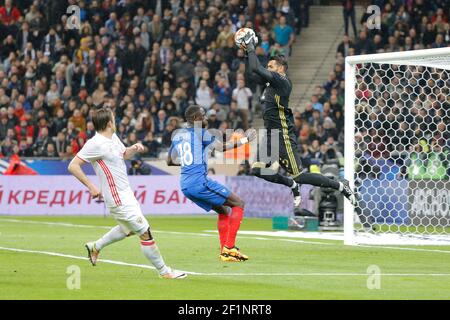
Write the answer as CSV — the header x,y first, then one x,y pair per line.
x,y
314,52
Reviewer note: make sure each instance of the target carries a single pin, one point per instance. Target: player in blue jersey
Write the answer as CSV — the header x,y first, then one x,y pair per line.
x,y
189,149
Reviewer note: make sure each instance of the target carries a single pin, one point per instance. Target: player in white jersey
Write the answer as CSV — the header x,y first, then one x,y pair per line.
x,y
107,154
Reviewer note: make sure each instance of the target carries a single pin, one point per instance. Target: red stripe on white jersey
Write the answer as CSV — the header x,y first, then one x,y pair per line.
x,y
111,182
148,243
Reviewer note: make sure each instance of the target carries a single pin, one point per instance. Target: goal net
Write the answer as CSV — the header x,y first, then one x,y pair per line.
x,y
397,147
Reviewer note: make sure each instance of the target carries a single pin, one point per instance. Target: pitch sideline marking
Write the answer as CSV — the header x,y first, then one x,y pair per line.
x,y
64,224
211,235
55,254
84,258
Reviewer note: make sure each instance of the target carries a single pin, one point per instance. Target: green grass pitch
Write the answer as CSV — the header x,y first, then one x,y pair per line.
x,y
279,268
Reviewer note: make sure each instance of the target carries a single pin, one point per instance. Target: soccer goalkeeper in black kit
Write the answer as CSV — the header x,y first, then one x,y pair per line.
x,y
278,120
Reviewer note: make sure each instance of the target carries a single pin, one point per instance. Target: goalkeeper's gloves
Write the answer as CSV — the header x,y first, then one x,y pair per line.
x,y
249,42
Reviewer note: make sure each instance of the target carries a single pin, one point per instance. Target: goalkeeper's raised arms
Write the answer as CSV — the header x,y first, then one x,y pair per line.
x,y
254,65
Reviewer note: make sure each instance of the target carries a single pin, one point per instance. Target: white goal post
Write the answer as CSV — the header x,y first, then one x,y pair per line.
x,y
397,149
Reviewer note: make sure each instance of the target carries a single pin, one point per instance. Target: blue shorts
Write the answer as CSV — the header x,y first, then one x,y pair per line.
x,y
207,194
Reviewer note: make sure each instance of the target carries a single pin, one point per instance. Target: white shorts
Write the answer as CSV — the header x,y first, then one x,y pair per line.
x,y
130,218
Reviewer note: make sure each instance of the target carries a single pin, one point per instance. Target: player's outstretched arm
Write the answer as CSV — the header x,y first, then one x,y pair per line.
x,y
75,169
256,67
253,62
131,151
249,136
253,76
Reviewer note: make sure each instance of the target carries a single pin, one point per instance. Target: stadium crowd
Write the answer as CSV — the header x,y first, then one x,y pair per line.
x,y
147,60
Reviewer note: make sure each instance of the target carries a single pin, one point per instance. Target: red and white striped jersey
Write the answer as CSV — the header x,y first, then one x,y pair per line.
x,y
106,156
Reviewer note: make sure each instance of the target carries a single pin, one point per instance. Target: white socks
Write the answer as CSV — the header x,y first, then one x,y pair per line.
x,y
151,252
113,235
294,184
149,248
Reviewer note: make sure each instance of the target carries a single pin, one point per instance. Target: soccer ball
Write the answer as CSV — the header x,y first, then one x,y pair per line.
x,y
241,33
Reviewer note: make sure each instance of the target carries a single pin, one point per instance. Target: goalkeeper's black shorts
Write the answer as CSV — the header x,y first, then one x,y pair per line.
x,y
281,137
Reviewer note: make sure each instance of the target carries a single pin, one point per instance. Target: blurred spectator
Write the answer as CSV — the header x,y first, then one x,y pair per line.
x,y
304,13
316,103
223,93
284,35
78,120
331,83
308,112
41,143
242,96
152,146
314,150
3,126
364,45
24,130
348,7
9,17
345,45
234,117
7,147
160,122
60,143
50,151
139,167
213,122
26,147
204,96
